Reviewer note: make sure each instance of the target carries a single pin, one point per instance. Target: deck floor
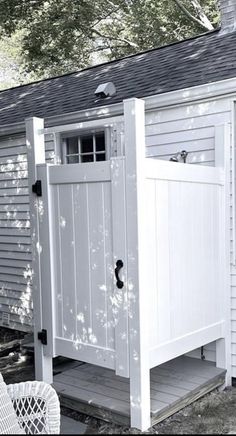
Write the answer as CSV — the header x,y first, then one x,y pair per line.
x,y
100,393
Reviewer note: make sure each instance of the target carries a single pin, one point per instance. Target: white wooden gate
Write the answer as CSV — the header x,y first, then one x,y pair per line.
x,y
82,235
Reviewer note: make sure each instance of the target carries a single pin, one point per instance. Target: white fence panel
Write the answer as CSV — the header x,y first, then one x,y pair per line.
x,y
184,247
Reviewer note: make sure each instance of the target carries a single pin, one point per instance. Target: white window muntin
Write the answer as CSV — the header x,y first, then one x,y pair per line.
x,y
82,134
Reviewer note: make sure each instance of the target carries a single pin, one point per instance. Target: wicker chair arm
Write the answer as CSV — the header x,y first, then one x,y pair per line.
x,y
37,407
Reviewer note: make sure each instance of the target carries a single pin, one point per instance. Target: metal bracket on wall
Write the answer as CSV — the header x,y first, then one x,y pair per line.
x,y
37,188
42,336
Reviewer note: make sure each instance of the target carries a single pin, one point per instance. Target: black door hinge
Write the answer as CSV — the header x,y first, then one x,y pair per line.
x,y
37,188
42,336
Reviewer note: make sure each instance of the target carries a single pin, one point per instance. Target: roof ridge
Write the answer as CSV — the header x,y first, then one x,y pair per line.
x,y
112,61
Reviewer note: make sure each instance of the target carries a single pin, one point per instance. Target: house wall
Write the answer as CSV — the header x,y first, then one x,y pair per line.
x,y
15,242
189,127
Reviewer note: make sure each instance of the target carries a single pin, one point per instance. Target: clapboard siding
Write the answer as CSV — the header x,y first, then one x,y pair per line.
x,y
188,127
191,128
15,241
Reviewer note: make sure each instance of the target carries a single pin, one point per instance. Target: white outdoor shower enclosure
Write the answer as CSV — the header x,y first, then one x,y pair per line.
x,y
130,257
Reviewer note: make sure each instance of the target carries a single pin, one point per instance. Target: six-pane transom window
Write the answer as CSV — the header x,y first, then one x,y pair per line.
x,y
88,147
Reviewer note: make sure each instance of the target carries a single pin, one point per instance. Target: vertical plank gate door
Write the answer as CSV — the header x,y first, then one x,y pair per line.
x,y
82,245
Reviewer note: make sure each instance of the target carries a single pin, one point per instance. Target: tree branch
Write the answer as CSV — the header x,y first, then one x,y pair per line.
x,y
201,14
105,17
206,25
124,40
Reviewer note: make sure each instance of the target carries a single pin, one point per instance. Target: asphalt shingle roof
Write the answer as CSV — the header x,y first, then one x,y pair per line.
x,y
207,58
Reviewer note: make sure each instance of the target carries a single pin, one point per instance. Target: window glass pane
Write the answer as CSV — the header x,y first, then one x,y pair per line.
x,y
100,157
72,145
85,148
100,141
72,159
87,158
86,144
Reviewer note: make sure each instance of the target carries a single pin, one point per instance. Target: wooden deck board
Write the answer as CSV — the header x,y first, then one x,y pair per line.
x,y
99,392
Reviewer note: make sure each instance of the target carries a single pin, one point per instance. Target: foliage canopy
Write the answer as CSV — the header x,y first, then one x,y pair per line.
x,y
59,36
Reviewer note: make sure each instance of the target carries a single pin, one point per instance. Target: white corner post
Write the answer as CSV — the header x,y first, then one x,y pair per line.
x,y
222,160
134,129
36,155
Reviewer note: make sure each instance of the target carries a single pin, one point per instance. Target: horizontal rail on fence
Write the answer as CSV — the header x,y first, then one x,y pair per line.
x,y
89,172
175,171
82,125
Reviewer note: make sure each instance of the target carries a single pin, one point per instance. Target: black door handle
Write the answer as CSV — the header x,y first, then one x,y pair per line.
x,y
119,265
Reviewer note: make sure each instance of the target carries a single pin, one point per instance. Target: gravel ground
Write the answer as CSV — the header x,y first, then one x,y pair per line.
x,y
213,414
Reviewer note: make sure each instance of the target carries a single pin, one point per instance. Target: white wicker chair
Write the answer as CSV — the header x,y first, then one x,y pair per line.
x,y
37,407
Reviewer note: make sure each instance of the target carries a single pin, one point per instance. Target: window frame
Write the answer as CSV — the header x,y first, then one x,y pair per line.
x,y
83,132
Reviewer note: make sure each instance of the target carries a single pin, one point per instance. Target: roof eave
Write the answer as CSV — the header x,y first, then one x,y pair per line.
x,y
207,91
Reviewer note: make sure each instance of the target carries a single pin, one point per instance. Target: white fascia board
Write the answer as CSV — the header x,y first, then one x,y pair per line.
x,y
209,91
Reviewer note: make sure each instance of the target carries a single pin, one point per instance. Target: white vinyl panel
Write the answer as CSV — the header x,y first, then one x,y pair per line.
x,y
58,261
88,172
151,250
193,257
119,247
207,164
163,261
180,240
177,264
109,267
67,260
82,266
202,207
97,263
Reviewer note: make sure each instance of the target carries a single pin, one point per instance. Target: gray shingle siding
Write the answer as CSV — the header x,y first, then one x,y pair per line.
x,y
205,59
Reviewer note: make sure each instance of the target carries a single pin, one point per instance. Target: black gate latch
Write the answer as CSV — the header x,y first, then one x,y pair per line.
x,y
37,188
42,336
